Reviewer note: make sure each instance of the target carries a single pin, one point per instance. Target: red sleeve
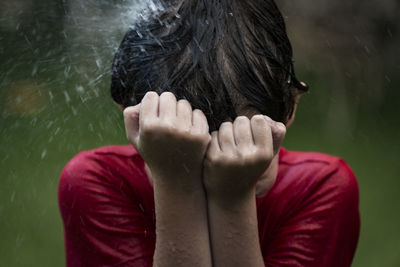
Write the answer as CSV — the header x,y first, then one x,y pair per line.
x,y
104,224
323,227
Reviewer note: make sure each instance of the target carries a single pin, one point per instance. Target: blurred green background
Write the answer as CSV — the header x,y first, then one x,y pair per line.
x,y
55,59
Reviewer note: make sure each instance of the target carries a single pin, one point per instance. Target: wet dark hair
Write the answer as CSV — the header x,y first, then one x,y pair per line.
x,y
220,55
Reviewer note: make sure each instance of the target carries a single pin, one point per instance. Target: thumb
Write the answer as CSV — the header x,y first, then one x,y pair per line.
x,y
131,119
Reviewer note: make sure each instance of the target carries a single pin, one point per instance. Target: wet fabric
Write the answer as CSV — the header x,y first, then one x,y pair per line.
x,y
309,218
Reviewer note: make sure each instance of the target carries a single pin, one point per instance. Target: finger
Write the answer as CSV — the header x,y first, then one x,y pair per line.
x,y
278,130
184,113
199,122
242,132
167,106
213,147
131,119
149,107
225,137
261,130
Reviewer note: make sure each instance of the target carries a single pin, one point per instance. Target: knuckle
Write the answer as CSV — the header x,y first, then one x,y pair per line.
x,y
148,128
200,138
242,119
151,95
281,128
184,102
225,124
196,135
199,116
247,157
167,95
199,113
265,155
228,159
212,159
258,119
166,125
127,111
183,132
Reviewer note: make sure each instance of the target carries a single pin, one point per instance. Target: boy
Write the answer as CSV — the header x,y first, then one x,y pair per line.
x,y
186,197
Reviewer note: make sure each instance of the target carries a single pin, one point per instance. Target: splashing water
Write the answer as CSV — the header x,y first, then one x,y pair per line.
x,y
94,31
141,12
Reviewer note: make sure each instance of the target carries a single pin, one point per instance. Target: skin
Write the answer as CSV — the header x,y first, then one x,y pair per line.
x,y
204,183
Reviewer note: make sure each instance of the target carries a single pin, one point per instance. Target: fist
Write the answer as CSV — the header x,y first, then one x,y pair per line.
x,y
238,155
170,136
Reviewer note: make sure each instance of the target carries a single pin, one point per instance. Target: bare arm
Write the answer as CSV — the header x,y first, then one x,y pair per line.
x,y
234,233
237,156
173,140
182,237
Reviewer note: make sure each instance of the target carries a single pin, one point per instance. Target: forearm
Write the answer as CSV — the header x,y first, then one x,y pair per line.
x,y
173,139
234,233
182,236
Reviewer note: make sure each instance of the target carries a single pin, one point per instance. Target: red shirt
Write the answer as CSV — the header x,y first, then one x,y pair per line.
x,y
309,218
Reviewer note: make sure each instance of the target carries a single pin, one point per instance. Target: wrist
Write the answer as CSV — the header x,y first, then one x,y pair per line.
x,y
231,200
177,184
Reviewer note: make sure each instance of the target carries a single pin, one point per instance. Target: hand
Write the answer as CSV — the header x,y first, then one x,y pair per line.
x,y
238,155
171,138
